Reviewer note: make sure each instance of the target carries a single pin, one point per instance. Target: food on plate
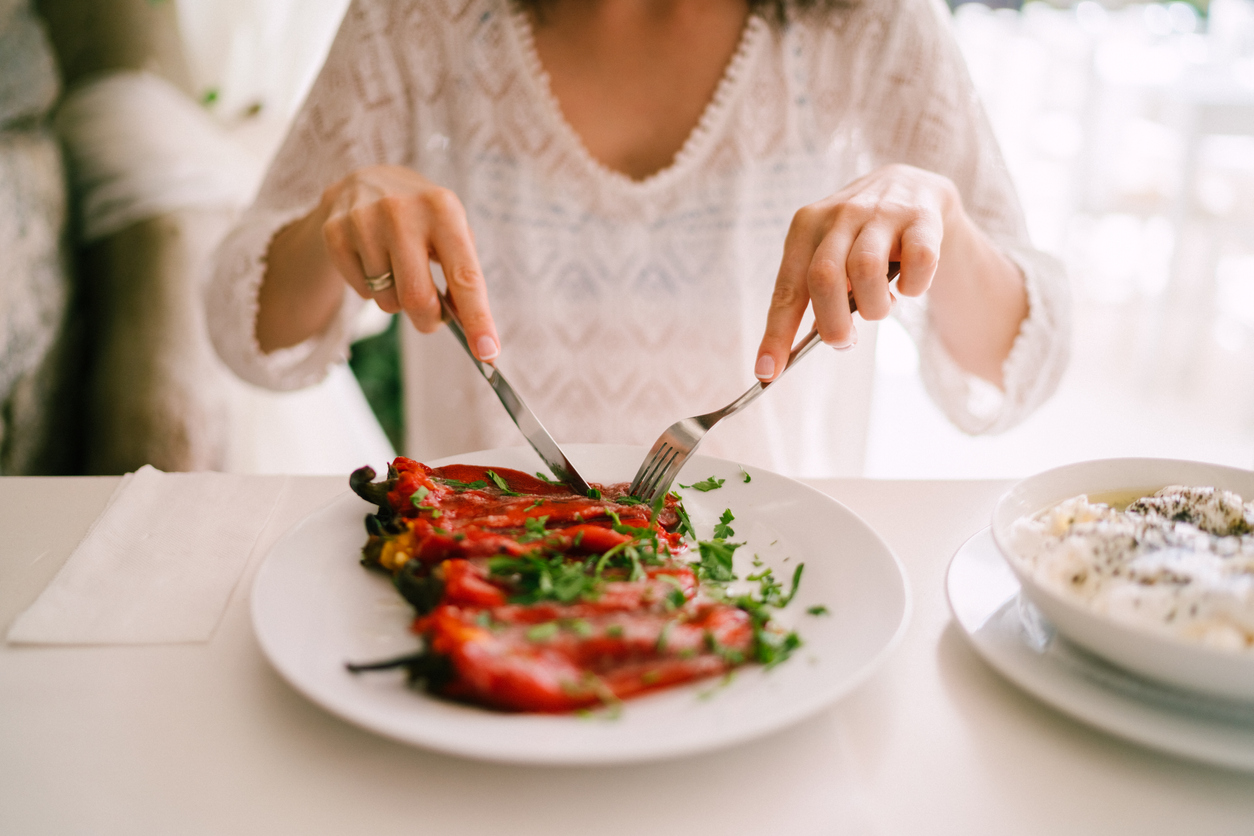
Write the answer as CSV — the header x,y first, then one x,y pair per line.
x,y
1180,561
530,597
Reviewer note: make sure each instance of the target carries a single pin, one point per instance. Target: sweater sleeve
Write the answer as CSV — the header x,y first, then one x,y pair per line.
x,y
357,114
917,106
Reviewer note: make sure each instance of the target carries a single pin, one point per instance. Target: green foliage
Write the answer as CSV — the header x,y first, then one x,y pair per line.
x,y
376,362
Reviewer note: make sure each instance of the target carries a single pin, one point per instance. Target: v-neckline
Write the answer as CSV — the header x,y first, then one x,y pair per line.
x,y
694,145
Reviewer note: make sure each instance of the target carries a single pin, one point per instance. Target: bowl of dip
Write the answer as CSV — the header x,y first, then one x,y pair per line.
x,y
1165,590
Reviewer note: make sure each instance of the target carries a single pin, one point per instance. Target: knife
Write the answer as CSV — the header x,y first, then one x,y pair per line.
x,y
537,436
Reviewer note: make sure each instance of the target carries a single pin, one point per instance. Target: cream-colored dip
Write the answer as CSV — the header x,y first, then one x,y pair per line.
x,y
1180,561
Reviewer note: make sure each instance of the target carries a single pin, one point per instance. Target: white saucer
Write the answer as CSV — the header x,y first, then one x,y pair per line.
x,y
1012,636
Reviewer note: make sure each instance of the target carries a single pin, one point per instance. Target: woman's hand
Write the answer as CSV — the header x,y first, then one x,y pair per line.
x,y
841,246
376,220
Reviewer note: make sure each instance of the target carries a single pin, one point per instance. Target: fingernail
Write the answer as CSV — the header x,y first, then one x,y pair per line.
x,y
765,367
486,348
850,343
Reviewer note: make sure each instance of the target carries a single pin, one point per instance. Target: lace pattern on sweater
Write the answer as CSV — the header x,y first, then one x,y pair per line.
x,y
623,304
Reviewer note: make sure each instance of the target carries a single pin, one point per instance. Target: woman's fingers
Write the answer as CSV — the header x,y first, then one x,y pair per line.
x,y
829,280
867,266
455,249
405,230
842,246
342,249
367,233
920,255
393,221
359,252
790,297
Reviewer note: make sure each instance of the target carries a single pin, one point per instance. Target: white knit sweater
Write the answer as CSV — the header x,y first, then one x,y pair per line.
x,y
624,305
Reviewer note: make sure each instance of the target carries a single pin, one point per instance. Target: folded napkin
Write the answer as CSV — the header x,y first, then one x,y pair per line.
x,y
159,564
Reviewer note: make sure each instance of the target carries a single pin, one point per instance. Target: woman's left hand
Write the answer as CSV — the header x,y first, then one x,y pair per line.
x,y
841,246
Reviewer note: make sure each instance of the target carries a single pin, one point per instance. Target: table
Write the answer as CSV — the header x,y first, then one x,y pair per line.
x,y
206,738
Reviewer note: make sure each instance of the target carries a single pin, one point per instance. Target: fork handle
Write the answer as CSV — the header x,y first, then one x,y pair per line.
x,y
801,349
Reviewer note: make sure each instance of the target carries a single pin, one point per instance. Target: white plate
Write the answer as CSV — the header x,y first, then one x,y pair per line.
x,y
314,608
1167,658
1012,636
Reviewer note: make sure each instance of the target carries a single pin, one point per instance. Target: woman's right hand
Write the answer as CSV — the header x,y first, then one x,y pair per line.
x,y
391,218
375,220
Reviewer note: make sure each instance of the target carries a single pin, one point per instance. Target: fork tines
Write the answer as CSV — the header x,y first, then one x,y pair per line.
x,y
653,473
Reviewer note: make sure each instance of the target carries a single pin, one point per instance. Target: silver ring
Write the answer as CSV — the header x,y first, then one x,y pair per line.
x,y
378,284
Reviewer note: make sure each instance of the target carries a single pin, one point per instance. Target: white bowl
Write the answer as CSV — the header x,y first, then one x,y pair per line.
x,y
1162,657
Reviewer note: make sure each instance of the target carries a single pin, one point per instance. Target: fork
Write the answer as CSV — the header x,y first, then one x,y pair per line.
x,y
679,441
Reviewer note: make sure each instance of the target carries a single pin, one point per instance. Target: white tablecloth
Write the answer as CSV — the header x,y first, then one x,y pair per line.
x,y
208,739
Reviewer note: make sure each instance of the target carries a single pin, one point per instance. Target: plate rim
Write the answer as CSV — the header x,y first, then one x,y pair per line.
x,y
795,712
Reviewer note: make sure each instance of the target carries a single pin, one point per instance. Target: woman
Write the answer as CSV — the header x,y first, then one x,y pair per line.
x,y
609,184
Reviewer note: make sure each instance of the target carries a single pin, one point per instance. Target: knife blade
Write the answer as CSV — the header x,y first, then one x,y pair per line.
x,y
535,433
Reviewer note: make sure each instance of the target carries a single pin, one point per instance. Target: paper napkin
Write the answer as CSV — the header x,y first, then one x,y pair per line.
x,y
159,564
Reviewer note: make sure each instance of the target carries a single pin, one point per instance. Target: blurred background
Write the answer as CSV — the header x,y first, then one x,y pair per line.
x,y
1129,131
132,132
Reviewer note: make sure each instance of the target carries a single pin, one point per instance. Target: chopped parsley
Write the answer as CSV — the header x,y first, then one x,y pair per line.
x,y
631,554
675,598
547,575
744,475
416,500
723,529
770,646
771,591
729,655
711,484
716,560
502,484
685,524
476,485
818,609
541,578
542,632
664,637
535,529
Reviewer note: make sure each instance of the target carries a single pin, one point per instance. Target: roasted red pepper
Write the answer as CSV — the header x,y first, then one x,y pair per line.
x,y
533,598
